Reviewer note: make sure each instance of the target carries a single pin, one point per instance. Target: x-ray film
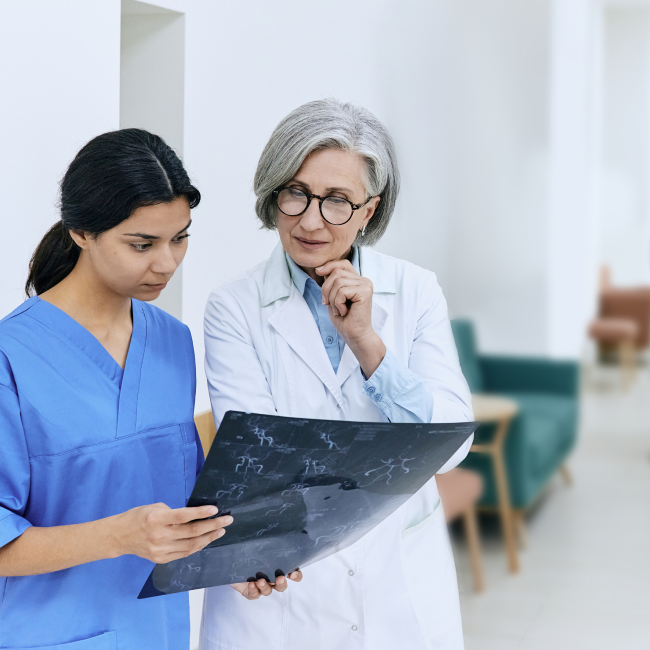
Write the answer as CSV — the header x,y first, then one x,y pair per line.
x,y
300,490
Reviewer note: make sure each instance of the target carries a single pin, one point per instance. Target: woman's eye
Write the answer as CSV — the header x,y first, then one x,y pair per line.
x,y
178,240
336,200
141,247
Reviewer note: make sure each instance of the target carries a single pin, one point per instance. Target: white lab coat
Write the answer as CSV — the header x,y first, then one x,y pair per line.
x,y
396,587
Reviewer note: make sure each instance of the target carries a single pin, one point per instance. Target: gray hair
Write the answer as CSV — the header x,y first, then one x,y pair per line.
x,y
328,124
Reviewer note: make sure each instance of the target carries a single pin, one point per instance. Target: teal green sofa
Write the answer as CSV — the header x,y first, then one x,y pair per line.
x,y
543,433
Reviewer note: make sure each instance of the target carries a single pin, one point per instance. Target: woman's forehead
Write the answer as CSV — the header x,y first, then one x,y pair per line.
x,y
332,169
161,217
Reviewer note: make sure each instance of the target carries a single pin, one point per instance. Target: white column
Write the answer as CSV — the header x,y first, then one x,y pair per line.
x,y
572,225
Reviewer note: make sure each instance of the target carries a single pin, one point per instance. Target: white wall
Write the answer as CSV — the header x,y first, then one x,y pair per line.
x,y
59,65
499,149
522,149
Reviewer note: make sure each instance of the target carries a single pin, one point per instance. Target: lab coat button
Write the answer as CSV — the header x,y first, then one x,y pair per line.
x,y
370,390
338,406
377,397
330,339
350,572
354,628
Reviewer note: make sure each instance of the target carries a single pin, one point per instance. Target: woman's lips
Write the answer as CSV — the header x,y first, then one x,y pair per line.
x,y
156,287
310,244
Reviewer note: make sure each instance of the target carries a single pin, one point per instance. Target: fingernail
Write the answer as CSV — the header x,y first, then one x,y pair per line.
x,y
213,510
324,301
318,268
229,520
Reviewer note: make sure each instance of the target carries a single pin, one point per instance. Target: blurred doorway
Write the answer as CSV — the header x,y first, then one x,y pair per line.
x,y
625,226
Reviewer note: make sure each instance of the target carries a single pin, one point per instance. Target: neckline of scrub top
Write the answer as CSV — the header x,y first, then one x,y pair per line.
x,y
127,380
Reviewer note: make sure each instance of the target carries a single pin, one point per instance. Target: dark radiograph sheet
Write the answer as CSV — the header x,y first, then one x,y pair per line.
x,y
300,490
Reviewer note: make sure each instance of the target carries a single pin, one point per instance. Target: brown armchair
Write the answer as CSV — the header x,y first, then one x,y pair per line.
x,y
632,304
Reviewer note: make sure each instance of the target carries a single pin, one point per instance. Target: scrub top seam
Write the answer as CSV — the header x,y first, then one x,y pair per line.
x,y
67,339
13,392
144,351
24,308
108,442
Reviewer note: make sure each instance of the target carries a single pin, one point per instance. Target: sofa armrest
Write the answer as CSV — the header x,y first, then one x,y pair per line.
x,y
503,374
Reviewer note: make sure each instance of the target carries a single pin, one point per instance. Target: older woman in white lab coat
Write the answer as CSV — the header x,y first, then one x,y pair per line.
x,y
328,328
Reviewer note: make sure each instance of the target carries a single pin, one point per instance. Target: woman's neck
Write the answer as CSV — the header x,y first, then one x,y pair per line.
x,y
85,298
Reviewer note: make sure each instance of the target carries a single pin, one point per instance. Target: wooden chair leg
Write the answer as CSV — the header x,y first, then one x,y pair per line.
x,y
505,512
520,528
628,363
474,546
565,473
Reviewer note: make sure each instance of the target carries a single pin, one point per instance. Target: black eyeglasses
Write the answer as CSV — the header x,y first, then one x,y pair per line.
x,y
334,209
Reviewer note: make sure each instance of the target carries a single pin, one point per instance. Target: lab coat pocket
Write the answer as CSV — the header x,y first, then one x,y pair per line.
x,y
430,577
104,641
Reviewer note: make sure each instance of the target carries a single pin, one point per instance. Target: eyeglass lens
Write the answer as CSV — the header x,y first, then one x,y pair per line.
x,y
293,202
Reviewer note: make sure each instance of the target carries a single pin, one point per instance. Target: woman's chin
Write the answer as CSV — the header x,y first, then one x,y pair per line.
x,y
310,259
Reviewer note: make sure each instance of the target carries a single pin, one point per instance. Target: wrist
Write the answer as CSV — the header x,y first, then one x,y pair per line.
x,y
370,351
111,539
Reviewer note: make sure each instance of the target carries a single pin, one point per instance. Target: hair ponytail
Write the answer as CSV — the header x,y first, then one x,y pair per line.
x,y
112,176
54,258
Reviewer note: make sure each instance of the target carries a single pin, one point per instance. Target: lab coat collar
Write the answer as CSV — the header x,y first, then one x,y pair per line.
x,y
277,278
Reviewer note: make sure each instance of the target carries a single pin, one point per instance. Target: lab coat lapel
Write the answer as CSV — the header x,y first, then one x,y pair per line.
x,y
128,404
295,324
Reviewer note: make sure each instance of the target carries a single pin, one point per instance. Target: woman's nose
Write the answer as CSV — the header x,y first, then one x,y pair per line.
x,y
165,262
311,219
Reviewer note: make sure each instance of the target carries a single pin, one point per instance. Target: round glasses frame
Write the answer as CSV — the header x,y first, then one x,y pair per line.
x,y
354,206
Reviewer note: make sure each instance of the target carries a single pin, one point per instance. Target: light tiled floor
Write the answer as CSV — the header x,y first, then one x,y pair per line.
x,y
585,577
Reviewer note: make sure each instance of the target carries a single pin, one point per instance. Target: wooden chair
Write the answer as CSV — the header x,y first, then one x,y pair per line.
x,y
207,431
459,491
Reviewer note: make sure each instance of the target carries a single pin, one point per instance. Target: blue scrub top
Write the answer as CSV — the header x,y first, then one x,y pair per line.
x,y
80,439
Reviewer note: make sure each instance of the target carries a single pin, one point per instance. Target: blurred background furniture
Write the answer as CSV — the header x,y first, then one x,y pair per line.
x,y
631,304
619,334
499,411
542,433
622,328
206,428
459,491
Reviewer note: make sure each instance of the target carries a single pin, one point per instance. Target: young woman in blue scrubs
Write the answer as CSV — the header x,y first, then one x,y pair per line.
x,y
98,446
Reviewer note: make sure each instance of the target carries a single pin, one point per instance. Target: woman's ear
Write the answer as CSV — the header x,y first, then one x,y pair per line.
x,y
80,238
371,208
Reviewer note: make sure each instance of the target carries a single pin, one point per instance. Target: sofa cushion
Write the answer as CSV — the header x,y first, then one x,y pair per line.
x,y
538,441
